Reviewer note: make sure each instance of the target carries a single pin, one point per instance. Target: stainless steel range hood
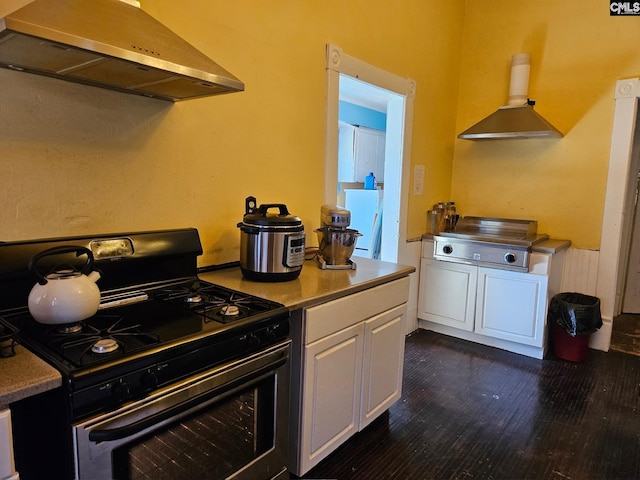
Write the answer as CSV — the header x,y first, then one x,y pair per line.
x,y
109,44
511,121
517,119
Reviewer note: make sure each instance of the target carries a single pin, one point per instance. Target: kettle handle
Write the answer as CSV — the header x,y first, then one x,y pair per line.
x,y
281,206
86,268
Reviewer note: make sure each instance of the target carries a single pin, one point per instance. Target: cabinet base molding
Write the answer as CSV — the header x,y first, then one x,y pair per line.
x,y
527,350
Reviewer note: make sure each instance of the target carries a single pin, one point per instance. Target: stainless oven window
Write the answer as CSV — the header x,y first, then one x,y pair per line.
x,y
229,422
213,443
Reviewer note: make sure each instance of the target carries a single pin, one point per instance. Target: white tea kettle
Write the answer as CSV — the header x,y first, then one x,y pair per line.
x,y
66,295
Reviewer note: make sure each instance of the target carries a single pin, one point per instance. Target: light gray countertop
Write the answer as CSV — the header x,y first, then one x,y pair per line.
x,y
314,285
25,374
552,245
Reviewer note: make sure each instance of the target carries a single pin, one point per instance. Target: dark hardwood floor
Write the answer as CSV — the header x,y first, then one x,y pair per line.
x,y
625,336
475,412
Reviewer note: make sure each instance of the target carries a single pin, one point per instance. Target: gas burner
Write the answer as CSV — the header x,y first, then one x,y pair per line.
x,y
230,310
193,298
87,342
213,302
105,345
69,328
188,292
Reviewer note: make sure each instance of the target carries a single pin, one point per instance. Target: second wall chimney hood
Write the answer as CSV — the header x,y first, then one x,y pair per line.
x,y
517,119
109,44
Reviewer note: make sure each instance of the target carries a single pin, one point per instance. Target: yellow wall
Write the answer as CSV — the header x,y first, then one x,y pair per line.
x,y
577,53
77,159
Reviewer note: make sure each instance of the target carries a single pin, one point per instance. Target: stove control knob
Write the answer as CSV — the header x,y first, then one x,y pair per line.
x,y
121,391
253,340
510,257
270,335
149,380
447,249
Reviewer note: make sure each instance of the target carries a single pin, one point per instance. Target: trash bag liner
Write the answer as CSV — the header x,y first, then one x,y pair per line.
x,y
577,313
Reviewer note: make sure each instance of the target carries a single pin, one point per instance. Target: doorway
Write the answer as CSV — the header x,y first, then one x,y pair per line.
x,y
362,166
617,225
625,331
631,299
353,79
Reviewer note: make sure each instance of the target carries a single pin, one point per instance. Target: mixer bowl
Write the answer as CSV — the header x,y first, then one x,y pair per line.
x,y
336,245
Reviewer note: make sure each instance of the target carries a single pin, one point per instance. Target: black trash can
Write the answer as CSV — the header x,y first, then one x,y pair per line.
x,y
573,317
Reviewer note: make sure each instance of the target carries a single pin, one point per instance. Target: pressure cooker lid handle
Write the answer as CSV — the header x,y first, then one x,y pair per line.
x,y
281,206
250,205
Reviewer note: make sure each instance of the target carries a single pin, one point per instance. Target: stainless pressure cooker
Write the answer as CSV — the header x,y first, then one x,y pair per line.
x,y
271,243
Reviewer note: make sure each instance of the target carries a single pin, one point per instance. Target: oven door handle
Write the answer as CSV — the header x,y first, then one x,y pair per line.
x,y
140,425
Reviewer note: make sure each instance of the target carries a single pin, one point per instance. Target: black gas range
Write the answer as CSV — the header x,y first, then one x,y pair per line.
x,y
159,327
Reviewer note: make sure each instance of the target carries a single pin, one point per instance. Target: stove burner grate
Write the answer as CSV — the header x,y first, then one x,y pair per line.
x,y
213,302
92,343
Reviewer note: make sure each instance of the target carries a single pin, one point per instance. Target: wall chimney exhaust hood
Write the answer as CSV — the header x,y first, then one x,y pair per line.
x,y
517,119
111,44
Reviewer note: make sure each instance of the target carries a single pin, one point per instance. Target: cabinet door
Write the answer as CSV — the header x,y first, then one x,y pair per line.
x,y
369,153
7,467
511,305
331,393
346,158
383,361
447,293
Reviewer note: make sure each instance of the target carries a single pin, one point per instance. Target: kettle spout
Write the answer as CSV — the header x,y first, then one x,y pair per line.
x,y
94,276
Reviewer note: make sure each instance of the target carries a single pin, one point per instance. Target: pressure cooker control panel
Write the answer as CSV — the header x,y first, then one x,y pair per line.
x,y
294,250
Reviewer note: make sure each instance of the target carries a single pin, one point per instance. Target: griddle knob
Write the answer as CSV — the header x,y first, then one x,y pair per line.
x,y
447,249
510,257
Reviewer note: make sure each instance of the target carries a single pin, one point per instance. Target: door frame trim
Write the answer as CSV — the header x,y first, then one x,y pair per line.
x,y
337,63
616,223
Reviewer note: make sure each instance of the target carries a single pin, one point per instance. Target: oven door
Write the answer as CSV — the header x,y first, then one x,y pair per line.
x,y
228,422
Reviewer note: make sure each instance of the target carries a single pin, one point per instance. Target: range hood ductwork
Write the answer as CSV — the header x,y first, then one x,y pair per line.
x,y
109,44
517,119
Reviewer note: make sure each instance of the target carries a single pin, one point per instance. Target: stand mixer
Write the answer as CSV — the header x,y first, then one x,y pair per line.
x,y
336,241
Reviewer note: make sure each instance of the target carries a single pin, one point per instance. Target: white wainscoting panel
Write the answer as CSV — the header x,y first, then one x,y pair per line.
x,y
580,271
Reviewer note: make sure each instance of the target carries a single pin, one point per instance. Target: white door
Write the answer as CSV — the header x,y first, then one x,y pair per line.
x,y
631,302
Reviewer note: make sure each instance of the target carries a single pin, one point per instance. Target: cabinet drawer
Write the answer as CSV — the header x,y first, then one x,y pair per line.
x,y
330,317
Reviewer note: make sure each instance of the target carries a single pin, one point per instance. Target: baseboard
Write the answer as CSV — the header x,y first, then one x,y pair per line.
x,y
601,339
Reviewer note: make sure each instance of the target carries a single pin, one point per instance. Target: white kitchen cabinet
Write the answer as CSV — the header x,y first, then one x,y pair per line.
x,y
500,308
448,293
7,467
332,382
347,369
511,305
383,362
360,151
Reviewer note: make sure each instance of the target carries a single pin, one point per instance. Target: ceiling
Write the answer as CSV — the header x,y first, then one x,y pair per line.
x,y
361,93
